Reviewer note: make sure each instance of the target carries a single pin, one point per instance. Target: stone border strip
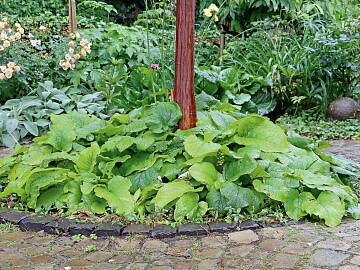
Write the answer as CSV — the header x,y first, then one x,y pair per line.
x,y
65,226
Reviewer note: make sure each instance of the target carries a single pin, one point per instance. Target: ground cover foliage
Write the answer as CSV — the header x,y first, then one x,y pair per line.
x,y
138,163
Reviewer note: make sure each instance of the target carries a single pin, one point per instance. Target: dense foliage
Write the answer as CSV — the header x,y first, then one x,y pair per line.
x,y
137,163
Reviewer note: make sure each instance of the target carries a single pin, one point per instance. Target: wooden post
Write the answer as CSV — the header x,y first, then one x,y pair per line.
x,y
184,93
72,16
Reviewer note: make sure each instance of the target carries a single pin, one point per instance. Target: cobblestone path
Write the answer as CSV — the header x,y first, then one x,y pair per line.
x,y
309,246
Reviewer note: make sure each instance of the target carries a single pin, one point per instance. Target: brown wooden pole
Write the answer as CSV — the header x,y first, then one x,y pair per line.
x,y
184,93
72,16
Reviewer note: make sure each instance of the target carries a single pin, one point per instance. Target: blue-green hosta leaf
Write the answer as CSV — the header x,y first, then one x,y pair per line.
x,y
205,173
276,188
260,132
120,143
87,158
117,195
172,191
31,127
62,134
233,170
196,147
327,206
162,116
216,201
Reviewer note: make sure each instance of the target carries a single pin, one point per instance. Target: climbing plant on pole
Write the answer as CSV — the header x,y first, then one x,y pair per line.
x,y
184,93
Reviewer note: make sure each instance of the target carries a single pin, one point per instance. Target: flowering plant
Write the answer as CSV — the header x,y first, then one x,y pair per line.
x,y
211,12
78,47
7,36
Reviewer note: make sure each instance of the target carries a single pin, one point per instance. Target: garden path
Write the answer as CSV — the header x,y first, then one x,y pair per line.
x,y
308,246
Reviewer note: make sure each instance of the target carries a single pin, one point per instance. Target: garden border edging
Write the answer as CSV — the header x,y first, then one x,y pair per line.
x,y
64,226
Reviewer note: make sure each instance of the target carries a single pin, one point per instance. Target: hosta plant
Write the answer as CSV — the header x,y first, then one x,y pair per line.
x,y
138,163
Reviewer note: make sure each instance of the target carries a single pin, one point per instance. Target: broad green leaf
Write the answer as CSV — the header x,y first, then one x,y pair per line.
x,y
327,206
31,127
293,205
172,191
48,198
87,158
138,162
62,134
11,125
216,201
199,211
313,180
144,142
258,131
355,211
142,179
162,116
276,188
185,205
196,147
117,195
233,170
205,173
120,143
84,124
72,196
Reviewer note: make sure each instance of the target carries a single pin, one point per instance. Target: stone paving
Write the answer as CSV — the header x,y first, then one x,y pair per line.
x,y
308,246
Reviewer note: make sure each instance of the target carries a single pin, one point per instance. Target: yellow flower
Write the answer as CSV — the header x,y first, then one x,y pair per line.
x,y
17,68
71,50
42,28
11,65
17,36
77,35
72,35
83,52
213,9
1,48
21,30
2,25
71,44
17,25
2,68
77,56
2,76
207,13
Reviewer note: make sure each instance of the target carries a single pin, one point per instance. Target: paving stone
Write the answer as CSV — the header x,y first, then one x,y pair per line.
x,y
208,265
215,253
334,245
35,223
127,245
243,237
213,241
13,216
285,261
81,228
193,229
349,267
79,264
184,264
45,267
353,238
297,248
41,259
15,236
160,267
241,251
355,260
107,229
219,226
154,245
137,229
325,257
305,238
163,231
99,256
137,266
249,225
276,233
271,244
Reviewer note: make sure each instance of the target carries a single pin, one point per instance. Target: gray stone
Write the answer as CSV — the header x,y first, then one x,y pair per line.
x,y
285,261
13,216
243,237
35,223
215,253
325,257
163,231
276,233
193,229
271,244
349,267
297,248
58,226
249,225
99,256
208,265
107,229
305,238
334,245
154,245
241,251
137,229
81,228
355,260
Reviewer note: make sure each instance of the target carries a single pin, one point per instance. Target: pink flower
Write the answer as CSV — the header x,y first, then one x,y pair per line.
x,y
154,66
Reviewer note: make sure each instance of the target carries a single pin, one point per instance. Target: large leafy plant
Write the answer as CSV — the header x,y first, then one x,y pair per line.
x,y
137,163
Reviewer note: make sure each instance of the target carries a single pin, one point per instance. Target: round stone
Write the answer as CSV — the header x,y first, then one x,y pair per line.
x,y
325,257
243,237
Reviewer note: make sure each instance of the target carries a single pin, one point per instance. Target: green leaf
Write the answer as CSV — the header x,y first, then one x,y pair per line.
x,y
143,179
196,147
48,198
162,116
258,131
205,173
355,211
293,205
276,188
138,162
185,205
172,191
216,201
11,125
117,195
87,158
233,170
120,143
32,128
59,137
327,206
